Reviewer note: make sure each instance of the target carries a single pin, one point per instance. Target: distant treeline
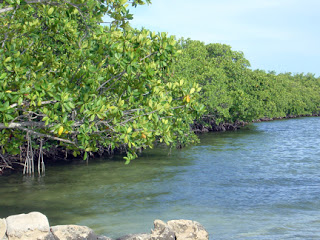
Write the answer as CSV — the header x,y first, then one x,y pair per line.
x,y
232,92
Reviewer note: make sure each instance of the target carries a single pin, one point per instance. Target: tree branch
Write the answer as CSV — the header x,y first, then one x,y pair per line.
x,y
45,135
6,9
24,124
27,104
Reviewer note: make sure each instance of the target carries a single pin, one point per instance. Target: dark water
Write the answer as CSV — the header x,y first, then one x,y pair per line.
x,y
258,183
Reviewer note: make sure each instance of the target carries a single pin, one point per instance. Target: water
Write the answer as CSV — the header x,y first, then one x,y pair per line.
x,y
262,182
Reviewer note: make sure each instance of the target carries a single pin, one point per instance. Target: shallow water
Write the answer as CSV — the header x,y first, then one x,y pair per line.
x,y
262,182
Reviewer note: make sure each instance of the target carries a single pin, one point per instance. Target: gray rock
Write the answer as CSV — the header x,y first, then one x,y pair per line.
x,y
140,236
75,232
101,237
162,231
188,230
3,228
32,226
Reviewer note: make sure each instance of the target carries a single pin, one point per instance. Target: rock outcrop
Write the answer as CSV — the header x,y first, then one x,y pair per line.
x,y
161,231
32,226
70,232
172,230
3,228
35,226
188,230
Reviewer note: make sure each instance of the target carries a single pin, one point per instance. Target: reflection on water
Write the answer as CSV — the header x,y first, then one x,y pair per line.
x,y
258,183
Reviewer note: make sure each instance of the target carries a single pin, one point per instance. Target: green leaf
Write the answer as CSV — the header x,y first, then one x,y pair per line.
x,y
127,160
3,75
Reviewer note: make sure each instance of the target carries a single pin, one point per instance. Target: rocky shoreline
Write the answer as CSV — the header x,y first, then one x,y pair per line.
x,y
35,226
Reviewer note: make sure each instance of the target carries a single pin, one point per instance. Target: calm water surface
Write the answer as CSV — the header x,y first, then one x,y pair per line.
x,y
262,182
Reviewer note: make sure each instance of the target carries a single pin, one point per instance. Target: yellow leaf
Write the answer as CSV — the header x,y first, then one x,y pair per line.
x,y
84,45
60,130
8,91
7,59
50,11
143,135
16,54
187,98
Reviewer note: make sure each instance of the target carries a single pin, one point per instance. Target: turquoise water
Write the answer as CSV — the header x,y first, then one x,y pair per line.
x,y
262,182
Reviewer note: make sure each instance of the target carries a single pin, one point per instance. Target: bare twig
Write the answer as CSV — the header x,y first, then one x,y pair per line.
x,y
149,55
116,76
4,160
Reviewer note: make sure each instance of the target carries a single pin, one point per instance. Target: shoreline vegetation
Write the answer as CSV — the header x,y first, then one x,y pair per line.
x,y
72,88
222,127
61,156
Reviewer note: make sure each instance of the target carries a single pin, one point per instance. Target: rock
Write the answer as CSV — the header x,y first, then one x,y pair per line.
x,y
35,226
3,228
75,232
188,230
32,226
103,238
172,230
140,236
162,231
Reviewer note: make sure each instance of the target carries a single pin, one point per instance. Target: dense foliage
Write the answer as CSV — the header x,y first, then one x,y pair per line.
x,y
72,86
68,83
232,92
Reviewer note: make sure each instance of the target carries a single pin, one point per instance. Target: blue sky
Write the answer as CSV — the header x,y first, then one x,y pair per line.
x,y
279,35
